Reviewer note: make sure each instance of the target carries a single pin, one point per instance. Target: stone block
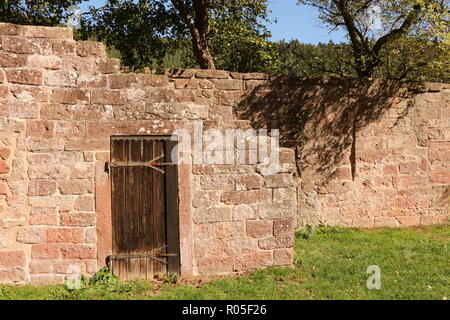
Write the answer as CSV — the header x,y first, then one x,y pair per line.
x,y
30,235
253,261
212,214
259,228
279,242
246,197
12,259
65,235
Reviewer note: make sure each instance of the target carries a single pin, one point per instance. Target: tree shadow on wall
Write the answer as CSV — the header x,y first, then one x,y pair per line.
x,y
320,117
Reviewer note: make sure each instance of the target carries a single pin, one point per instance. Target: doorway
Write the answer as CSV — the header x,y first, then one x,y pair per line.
x,y
144,203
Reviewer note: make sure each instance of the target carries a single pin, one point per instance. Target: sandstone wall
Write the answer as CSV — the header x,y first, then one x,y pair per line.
x,y
369,153
61,101
357,153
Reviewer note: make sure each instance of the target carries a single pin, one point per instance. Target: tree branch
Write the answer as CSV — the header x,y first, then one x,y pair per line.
x,y
360,47
394,34
184,12
199,28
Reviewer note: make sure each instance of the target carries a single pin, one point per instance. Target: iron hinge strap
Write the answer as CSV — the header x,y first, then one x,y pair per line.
x,y
151,164
143,255
140,164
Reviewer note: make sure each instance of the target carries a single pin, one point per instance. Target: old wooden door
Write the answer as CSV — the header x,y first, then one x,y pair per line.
x,y
144,207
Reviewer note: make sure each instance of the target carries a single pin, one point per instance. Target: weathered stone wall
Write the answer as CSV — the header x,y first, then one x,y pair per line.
x,y
370,153
358,153
61,101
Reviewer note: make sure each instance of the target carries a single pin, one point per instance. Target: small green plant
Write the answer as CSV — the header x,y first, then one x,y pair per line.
x,y
305,233
103,277
170,278
3,291
326,231
309,231
105,285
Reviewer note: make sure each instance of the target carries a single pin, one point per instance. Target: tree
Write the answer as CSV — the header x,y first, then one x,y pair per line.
x,y
195,15
35,12
220,26
146,31
308,60
143,32
426,20
239,39
407,59
411,59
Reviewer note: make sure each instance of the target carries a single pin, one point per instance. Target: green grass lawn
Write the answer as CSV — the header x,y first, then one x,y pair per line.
x,y
330,263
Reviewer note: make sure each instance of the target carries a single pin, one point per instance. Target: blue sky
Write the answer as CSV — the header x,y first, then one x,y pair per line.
x,y
294,22
299,22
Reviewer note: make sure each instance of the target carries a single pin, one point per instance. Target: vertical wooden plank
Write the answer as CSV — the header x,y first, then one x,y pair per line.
x,y
155,213
148,213
172,215
113,174
133,215
159,210
141,191
124,210
119,181
139,172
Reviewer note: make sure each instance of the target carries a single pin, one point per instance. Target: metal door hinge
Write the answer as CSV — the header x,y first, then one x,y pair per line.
x,y
149,164
156,257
